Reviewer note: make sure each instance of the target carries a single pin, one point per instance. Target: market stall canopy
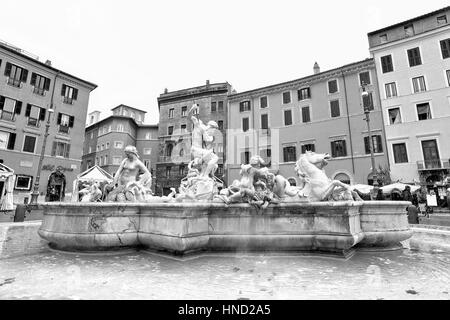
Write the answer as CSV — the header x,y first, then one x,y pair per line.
x,y
363,188
400,186
95,173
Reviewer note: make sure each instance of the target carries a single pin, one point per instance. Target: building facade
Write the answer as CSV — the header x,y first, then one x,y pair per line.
x,y
106,139
31,92
322,113
175,127
412,60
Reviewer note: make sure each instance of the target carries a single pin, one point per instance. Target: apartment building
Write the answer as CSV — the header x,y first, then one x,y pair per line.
x,y
31,93
412,61
323,112
106,139
175,129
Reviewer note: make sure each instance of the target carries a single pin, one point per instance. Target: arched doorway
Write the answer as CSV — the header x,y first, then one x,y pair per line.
x,y
56,186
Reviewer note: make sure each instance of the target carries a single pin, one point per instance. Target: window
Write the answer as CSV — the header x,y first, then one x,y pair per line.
x,y
265,121
409,30
376,144
286,97
148,164
308,147
171,112
182,170
29,144
441,20
183,128
266,154
101,161
423,111
383,38
16,75
118,144
445,48
289,154
65,122
368,101
335,110
148,136
34,115
23,183
419,84
40,83
364,78
220,106
386,64
394,116
9,108
391,90
244,106
213,107
69,93
116,161
98,148
245,124
106,160
306,116
287,117
169,149
147,151
219,171
400,154
7,140
304,94
169,130
90,149
263,102
338,148
103,147
332,86
60,149
448,77
220,124
414,57
220,147
168,171
245,157
184,111
120,127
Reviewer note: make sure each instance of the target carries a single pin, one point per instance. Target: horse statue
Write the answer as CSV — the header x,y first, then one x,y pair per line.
x,y
317,186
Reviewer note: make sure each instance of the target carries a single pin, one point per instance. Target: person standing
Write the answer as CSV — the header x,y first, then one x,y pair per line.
x,y
406,194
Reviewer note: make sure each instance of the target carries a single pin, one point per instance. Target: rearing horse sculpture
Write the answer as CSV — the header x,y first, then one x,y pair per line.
x,y
317,186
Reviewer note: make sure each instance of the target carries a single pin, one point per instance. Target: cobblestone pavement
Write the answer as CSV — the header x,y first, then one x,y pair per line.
x,y
140,275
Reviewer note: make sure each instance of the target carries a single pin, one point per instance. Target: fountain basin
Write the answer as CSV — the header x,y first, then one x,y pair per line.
x,y
181,228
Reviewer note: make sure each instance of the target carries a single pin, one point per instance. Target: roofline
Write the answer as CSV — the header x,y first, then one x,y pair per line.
x,y
121,117
124,105
234,95
198,87
90,84
408,21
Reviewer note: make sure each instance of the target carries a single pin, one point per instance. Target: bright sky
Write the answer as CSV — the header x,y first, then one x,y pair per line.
x,y
134,49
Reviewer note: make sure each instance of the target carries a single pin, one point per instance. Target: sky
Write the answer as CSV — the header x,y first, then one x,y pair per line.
x,y
135,49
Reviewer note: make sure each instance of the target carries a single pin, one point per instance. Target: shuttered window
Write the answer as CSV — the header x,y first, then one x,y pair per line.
x,y
414,57
386,64
306,116
338,148
377,144
69,94
445,48
287,117
60,149
264,121
400,153
29,144
244,106
289,154
335,110
308,147
16,75
245,124
40,83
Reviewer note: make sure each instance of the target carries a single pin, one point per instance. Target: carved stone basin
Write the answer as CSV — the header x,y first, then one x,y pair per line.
x,y
181,228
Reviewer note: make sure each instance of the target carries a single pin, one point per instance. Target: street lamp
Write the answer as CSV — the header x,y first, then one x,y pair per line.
x,y
365,95
35,194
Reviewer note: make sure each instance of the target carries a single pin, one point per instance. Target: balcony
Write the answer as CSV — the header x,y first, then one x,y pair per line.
x,y
39,91
63,129
14,82
68,100
6,115
33,122
437,164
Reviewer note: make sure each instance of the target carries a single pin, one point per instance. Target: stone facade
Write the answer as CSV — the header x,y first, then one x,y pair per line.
x,y
28,89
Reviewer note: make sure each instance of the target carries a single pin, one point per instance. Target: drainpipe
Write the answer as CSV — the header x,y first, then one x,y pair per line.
x,y
348,122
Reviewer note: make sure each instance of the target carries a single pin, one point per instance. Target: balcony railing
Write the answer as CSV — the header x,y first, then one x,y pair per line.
x,y
433,164
33,122
68,100
64,129
6,115
39,91
14,82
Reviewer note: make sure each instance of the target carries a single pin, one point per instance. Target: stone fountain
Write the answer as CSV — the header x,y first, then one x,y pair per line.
x,y
259,212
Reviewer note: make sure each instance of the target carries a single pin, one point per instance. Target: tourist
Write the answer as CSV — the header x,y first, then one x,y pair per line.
x,y
413,214
406,194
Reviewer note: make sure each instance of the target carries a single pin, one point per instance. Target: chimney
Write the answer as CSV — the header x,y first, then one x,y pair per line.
x,y
316,68
166,91
48,63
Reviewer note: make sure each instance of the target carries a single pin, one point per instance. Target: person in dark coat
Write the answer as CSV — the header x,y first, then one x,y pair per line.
x,y
406,194
413,214
380,195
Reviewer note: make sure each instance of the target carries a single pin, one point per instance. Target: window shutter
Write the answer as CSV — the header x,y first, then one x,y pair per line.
x,y
59,118
333,149
24,76
2,102
54,148
42,114
75,94
344,148
47,84
285,154
67,152
8,69
63,90
33,79
379,144
71,121
28,110
11,141
366,145
18,108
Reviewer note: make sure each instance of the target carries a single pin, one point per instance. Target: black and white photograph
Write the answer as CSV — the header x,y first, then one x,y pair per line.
x,y
239,151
